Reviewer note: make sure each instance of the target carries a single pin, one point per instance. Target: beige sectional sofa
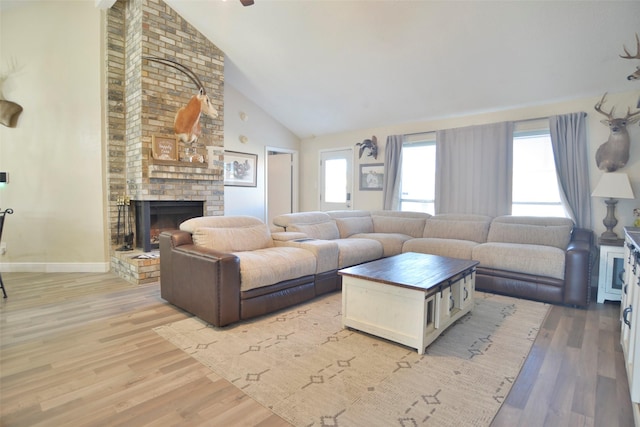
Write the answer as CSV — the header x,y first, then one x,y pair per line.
x,y
545,259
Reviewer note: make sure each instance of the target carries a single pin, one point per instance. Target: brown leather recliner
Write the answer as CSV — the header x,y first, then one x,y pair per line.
x,y
245,276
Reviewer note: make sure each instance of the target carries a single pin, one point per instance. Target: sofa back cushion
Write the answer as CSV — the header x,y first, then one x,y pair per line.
x,y
234,239
323,230
545,231
348,213
192,224
354,225
400,214
312,217
397,224
458,226
316,225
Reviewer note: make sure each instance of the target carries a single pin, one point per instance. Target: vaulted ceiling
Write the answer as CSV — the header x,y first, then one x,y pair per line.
x,y
321,66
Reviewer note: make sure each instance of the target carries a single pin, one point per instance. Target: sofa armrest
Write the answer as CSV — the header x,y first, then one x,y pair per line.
x,y
325,251
286,236
202,281
577,276
581,235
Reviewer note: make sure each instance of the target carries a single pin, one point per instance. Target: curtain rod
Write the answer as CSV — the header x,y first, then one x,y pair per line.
x,y
515,121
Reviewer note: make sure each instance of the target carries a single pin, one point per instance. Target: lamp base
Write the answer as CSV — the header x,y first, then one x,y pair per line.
x,y
610,221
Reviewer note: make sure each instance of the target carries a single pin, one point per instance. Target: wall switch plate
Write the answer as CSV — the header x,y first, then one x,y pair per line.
x,y
3,248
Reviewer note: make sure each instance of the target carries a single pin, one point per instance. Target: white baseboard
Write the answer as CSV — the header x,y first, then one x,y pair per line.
x,y
54,267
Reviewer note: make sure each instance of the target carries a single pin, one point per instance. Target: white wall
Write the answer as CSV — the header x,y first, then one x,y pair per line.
x,y
261,131
597,133
54,154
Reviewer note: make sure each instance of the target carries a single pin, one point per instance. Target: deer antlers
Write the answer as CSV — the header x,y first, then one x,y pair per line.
x,y
598,108
635,75
628,55
9,111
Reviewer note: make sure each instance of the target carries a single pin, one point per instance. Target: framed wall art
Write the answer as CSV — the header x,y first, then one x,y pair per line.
x,y
240,169
371,177
164,147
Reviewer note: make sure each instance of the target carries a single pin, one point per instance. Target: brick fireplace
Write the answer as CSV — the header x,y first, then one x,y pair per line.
x,y
142,99
155,216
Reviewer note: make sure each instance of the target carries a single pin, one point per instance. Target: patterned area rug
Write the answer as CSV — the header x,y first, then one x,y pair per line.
x,y
302,365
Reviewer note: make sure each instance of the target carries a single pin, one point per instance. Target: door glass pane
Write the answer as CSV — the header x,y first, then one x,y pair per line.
x,y
618,271
335,181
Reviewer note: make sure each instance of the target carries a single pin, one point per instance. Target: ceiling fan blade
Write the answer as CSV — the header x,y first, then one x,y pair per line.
x,y
246,2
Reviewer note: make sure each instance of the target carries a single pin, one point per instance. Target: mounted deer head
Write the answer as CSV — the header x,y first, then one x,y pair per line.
x,y
614,154
187,121
636,75
9,111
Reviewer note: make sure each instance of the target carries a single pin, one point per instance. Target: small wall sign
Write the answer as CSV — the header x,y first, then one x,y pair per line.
x,y
164,147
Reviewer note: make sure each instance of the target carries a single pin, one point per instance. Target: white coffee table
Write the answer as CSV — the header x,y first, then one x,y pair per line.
x,y
409,298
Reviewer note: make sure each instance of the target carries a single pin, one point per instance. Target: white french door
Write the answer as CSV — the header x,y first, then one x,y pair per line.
x,y
336,179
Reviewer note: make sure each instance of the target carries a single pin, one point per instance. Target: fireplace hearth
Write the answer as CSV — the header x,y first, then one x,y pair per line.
x,y
155,216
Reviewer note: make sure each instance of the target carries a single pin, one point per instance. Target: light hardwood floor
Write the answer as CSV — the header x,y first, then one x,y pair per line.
x,y
79,350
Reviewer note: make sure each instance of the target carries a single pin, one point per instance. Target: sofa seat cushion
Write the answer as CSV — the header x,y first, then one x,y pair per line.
x,y
269,266
325,251
356,251
391,242
537,260
444,247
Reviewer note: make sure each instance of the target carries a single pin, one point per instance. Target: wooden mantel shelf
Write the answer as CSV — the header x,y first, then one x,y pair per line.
x,y
171,169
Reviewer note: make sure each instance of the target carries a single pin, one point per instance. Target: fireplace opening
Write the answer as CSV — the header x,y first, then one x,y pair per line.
x,y
155,216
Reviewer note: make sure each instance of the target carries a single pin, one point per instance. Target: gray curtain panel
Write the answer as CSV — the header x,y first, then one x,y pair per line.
x,y
392,172
569,141
474,169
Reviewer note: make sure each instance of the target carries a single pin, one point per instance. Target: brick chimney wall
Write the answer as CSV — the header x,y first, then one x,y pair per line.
x,y
143,98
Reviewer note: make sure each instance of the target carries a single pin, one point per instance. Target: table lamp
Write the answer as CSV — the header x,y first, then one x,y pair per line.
x,y
613,186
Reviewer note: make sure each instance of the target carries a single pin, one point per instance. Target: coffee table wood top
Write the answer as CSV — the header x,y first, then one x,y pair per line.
x,y
411,270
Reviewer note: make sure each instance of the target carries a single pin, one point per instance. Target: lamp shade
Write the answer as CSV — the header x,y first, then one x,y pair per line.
x,y
615,185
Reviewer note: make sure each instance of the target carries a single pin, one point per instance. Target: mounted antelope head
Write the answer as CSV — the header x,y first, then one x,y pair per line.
x,y
614,154
187,122
636,75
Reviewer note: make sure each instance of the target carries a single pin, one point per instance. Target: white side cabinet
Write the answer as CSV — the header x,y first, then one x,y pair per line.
x,y
611,272
630,317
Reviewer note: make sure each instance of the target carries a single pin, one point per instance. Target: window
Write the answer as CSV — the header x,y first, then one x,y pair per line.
x,y
535,185
418,175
